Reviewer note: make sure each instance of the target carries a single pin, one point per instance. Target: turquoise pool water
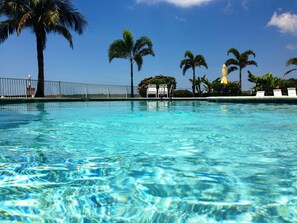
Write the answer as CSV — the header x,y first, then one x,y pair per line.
x,y
148,162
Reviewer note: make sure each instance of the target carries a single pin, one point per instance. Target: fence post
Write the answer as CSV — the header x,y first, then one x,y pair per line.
x,y
108,92
86,89
127,89
60,92
1,92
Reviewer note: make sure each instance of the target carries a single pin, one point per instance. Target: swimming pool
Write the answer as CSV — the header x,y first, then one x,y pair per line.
x,y
147,161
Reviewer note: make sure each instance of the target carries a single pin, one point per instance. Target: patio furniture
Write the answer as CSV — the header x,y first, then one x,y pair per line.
x,y
292,92
260,94
277,93
163,90
151,90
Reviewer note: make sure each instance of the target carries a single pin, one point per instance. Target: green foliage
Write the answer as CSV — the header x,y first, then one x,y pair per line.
x,y
265,82
134,51
208,85
285,84
268,82
160,79
191,62
240,61
197,84
230,89
215,88
291,61
182,93
41,17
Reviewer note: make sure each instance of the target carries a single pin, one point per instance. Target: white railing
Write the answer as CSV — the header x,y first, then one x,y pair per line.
x,y
13,87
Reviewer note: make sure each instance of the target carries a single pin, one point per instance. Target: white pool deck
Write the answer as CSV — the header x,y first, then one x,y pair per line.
x,y
226,99
255,99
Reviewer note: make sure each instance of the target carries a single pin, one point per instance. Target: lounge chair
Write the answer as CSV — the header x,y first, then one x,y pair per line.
x,y
151,90
292,92
163,90
277,93
260,94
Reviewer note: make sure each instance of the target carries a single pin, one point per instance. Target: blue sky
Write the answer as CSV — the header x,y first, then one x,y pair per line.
x,y
207,27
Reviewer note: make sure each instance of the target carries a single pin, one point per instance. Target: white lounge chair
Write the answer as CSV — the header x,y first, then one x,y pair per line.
x,y
163,90
277,93
151,90
292,92
260,94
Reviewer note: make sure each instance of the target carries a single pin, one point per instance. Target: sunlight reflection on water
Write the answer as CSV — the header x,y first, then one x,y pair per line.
x,y
148,162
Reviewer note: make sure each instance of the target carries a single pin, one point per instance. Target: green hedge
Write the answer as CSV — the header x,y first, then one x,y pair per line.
x,y
157,80
230,89
182,93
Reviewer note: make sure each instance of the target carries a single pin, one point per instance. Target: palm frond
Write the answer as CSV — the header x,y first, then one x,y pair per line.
x,y
128,40
23,22
139,61
118,50
189,54
145,52
200,61
141,43
51,18
249,52
185,68
64,32
231,69
7,28
291,61
185,62
231,61
9,8
252,78
289,71
235,52
69,17
252,62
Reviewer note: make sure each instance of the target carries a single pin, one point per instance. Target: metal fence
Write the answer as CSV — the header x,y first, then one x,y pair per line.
x,y
12,87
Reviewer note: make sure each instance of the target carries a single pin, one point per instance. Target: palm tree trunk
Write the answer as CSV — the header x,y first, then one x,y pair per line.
x,y
240,80
199,86
194,82
40,83
132,87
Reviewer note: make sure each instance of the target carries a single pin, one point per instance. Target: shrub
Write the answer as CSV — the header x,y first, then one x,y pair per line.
x,y
285,84
157,80
182,93
268,82
230,89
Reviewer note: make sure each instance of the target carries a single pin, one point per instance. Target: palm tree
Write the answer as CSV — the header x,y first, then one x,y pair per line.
x,y
192,62
291,61
239,62
42,17
133,51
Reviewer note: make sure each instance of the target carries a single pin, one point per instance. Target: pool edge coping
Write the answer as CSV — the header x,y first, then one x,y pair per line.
x,y
219,99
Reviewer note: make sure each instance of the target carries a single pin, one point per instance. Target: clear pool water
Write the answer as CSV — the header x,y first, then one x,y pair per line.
x,y
148,162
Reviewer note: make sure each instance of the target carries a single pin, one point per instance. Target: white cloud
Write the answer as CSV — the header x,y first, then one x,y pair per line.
x,y
286,22
245,4
291,46
228,9
178,3
180,19
232,6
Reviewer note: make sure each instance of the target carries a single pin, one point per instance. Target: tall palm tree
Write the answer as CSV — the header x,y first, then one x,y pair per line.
x,y
42,17
133,51
291,61
240,61
192,62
